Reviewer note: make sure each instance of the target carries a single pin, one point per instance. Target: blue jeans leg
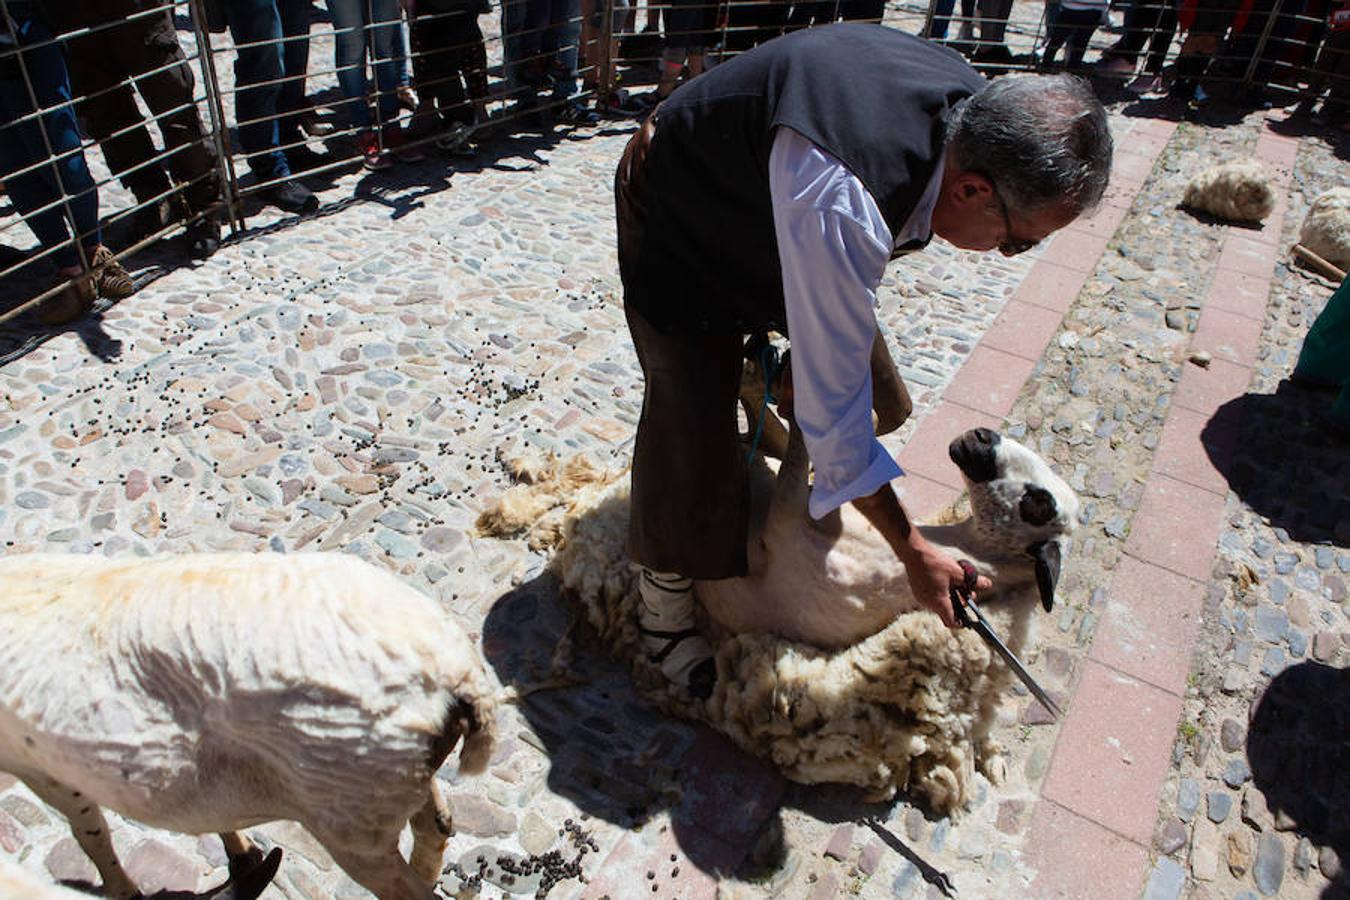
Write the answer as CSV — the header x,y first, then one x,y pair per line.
x,y
349,33
386,39
257,74
22,145
564,36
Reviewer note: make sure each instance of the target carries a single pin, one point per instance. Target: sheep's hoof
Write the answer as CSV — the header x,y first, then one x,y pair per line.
x,y
249,883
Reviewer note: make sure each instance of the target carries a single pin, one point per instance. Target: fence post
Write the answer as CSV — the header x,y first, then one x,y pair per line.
x,y
1261,46
229,185
606,80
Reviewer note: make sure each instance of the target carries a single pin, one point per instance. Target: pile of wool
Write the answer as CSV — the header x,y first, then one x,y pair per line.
x,y
1326,229
1235,191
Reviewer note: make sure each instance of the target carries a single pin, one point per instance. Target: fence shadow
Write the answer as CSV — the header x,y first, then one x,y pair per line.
x,y
1281,459
1300,757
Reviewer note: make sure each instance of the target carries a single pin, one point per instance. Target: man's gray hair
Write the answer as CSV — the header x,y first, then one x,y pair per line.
x,y
1042,139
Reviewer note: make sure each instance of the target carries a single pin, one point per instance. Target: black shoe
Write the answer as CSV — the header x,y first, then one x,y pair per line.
x,y
291,196
203,238
574,112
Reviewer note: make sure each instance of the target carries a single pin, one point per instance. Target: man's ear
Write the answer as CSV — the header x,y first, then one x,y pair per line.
x,y
1046,554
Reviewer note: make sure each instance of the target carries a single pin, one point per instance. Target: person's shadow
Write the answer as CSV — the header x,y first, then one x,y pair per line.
x,y
612,753
1298,746
1284,461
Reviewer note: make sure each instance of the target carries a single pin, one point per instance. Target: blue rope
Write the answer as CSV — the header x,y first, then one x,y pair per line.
x,y
770,365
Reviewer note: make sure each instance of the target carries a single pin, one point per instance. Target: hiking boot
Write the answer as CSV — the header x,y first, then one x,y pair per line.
x,y
372,157
396,139
110,279
292,197
203,238
75,301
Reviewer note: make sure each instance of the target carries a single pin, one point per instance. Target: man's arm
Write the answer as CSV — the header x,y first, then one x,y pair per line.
x,y
931,574
834,245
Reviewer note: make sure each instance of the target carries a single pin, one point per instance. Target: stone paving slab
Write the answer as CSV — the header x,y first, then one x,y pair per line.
x,y
346,382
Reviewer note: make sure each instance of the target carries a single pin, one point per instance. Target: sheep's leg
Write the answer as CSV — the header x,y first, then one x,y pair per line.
x,y
91,833
432,830
382,871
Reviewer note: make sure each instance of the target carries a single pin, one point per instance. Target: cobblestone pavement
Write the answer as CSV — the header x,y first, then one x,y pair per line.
x,y
346,383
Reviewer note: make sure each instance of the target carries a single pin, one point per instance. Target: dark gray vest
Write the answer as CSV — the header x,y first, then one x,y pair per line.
x,y
875,98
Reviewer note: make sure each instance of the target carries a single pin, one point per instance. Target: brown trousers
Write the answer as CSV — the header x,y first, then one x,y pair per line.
x,y
690,495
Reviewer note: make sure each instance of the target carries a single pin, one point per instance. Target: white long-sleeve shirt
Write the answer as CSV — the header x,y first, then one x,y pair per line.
x,y
834,245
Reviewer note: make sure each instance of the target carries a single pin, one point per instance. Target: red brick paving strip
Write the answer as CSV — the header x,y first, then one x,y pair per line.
x,y
1101,792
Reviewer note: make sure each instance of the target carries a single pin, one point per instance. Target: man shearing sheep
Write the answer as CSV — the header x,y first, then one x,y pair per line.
x,y
769,195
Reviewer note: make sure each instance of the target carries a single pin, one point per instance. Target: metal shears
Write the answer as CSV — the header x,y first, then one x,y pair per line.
x,y
969,615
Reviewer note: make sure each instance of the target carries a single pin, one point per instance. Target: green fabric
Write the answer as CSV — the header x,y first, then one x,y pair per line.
x,y
1325,356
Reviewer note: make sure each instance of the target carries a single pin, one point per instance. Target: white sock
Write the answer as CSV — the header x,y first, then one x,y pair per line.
x,y
667,605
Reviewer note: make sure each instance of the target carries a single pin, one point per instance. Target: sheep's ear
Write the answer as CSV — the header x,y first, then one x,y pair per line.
x,y
1046,555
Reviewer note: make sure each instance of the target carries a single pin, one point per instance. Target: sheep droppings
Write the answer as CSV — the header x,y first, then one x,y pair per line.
x,y
1235,191
1326,230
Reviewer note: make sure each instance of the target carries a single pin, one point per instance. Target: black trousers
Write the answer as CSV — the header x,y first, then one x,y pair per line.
x,y
1152,22
1073,27
450,62
102,60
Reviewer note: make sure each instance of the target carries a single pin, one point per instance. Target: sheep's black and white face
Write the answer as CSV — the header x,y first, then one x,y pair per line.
x,y
1019,506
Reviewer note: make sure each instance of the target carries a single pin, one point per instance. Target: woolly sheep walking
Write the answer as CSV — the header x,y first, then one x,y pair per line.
x,y
210,693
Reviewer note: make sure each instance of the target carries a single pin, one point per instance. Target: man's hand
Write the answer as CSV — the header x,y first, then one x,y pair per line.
x,y
931,574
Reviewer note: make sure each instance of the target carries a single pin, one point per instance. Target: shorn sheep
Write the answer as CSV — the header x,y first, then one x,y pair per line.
x,y
208,693
1326,228
1237,191
825,665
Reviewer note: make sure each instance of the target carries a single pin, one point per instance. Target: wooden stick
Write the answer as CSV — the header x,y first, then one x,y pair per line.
x,y
1318,264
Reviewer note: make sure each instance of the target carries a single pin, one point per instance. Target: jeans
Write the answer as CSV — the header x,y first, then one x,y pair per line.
x,y
22,144
257,75
358,24
563,37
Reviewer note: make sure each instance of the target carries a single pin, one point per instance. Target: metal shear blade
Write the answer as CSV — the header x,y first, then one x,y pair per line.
x,y
969,615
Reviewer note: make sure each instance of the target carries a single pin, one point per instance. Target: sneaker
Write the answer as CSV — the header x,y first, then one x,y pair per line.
x,y
291,196
74,301
574,112
372,157
110,279
203,238
396,139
